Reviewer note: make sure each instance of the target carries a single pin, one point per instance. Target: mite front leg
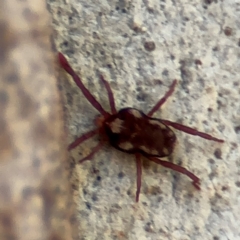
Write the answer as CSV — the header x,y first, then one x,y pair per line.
x,y
66,66
163,99
110,95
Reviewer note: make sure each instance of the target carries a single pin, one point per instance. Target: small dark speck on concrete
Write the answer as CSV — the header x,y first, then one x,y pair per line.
x,y
138,89
65,43
208,1
228,31
149,46
236,84
190,195
121,175
150,10
141,97
234,145
95,171
237,184
196,228
94,197
157,82
211,175
215,238
237,129
205,7
225,188
154,190
88,205
215,49
211,161
162,6
165,72
220,104
218,153
95,35
149,227
198,62
99,178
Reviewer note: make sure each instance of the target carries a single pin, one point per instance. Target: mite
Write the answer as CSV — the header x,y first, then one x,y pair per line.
x,y
130,130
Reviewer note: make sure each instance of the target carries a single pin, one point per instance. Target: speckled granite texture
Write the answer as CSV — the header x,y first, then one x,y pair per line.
x,y
140,47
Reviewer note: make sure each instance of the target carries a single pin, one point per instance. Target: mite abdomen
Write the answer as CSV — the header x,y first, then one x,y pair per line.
x,y
132,131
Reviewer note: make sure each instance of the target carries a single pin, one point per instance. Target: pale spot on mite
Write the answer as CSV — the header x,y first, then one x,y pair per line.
x,y
133,135
170,133
165,151
116,125
154,152
155,122
144,148
126,145
135,113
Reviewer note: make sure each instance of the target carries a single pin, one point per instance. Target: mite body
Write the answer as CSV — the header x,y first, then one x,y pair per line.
x,y
131,131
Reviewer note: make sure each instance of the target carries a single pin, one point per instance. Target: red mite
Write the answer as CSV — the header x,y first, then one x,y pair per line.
x,y
130,130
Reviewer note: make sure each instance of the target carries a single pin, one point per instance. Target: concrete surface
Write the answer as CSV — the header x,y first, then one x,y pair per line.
x,y
141,46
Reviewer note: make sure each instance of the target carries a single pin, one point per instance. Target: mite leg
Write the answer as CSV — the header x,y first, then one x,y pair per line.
x,y
66,66
91,154
177,168
139,175
83,138
110,95
191,131
164,99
